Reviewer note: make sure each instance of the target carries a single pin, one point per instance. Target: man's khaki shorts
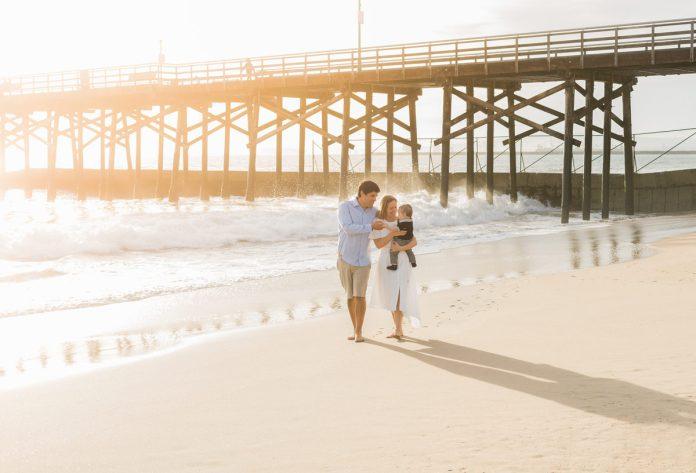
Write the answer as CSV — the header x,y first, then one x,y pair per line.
x,y
353,278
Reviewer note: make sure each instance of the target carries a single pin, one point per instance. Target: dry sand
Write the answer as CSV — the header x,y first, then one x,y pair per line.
x,y
589,370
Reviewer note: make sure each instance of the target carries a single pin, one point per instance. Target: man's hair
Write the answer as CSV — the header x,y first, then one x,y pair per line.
x,y
407,210
366,187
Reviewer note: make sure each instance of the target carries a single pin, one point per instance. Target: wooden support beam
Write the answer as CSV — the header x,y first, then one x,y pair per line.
x,y
176,161
445,156
512,150
524,121
369,111
385,89
413,128
102,155
587,166
310,109
294,119
566,185
254,106
159,192
225,187
345,147
509,112
325,150
390,138
27,162
301,152
279,148
490,157
579,112
470,110
378,113
204,190
628,152
395,137
606,158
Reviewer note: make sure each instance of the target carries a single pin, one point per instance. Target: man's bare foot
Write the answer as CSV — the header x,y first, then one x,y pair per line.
x,y
352,337
359,339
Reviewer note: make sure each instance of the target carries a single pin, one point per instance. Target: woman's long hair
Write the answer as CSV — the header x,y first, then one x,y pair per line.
x,y
386,200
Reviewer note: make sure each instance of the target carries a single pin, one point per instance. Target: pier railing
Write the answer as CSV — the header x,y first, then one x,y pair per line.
x,y
615,40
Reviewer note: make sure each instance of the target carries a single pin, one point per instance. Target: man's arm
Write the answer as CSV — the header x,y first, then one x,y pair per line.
x,y
347,224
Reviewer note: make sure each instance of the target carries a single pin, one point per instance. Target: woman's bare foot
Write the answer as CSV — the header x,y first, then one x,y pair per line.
x,y
359,339
352,337
398,336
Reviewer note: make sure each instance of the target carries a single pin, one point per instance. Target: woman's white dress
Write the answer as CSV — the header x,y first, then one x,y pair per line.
x,y
392,286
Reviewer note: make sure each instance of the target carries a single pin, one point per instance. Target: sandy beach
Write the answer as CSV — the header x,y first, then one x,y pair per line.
x,y
585,370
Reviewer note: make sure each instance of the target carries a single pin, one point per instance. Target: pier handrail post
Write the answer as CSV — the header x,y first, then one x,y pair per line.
x,y
485,56
652,44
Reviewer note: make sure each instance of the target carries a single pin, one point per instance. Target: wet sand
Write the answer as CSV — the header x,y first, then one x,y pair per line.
x,y
586,370
48,345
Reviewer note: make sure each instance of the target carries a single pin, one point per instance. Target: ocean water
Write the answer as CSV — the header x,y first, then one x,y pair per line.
x,y
70,254
87,284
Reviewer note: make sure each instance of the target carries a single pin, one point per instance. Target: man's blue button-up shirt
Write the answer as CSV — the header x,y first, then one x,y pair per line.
x,y
354,227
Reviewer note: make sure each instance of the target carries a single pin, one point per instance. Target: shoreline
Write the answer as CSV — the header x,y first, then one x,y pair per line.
x,y
503,375
128,332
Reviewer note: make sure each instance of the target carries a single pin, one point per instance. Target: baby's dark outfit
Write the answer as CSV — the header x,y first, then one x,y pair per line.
x,y
407,226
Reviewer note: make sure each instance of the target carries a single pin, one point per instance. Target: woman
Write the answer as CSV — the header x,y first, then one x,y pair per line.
x,y
394,291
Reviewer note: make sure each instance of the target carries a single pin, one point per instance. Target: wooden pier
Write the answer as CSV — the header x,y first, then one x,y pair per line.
x,y
102,111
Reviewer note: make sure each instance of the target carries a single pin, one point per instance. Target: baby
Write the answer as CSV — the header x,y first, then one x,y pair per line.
x,y
405,223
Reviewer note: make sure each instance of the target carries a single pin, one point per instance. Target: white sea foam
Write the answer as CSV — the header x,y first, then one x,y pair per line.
x,y
154,226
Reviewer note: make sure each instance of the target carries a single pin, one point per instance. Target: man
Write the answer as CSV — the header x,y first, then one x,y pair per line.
x,y
356,219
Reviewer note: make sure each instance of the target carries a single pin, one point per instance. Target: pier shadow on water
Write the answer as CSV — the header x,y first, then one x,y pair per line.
x,y
608,397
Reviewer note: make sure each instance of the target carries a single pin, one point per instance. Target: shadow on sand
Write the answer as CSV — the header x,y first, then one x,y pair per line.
x,y
607,397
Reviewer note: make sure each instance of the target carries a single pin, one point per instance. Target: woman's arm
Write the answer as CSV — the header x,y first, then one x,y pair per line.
x,y
384,241
407,246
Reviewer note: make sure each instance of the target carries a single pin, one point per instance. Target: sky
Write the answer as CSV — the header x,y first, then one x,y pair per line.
x,y
75,34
